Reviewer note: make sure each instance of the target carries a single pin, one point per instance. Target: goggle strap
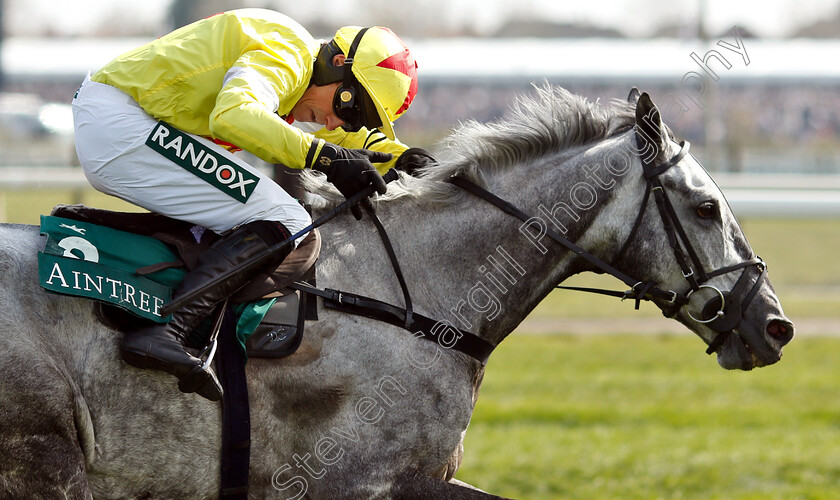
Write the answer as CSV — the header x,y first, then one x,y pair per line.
x,y
351,53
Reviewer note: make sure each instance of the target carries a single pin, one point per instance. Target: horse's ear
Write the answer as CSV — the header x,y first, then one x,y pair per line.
x,y
650,133
633,97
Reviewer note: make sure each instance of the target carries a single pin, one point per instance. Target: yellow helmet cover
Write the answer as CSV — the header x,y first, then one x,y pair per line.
x,y
385,68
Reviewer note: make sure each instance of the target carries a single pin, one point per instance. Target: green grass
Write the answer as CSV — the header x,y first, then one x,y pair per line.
x,y
627,416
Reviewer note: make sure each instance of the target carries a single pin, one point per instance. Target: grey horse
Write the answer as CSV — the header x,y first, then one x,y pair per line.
x,y
364,409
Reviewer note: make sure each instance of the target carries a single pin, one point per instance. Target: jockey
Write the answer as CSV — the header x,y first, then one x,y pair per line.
x,y
158,125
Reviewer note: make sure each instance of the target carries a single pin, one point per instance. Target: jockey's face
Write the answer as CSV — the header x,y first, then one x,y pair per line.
x,y
316,106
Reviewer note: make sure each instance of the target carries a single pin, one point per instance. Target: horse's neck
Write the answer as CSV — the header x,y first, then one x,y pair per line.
x,y
477,267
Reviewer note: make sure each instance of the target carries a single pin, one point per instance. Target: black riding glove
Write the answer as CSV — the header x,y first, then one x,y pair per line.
x,y
414,159
349,170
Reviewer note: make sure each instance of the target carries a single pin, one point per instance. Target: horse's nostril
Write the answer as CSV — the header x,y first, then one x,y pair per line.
x,y
780,330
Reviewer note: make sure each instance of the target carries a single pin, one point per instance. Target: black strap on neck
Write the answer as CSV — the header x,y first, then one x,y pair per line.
x,y
509,208
395,263
444,334
638,290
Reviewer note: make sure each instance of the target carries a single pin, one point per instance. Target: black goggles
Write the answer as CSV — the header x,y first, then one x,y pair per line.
x,y
355,108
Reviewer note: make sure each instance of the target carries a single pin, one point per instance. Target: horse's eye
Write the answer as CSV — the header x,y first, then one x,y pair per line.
x,y
707,210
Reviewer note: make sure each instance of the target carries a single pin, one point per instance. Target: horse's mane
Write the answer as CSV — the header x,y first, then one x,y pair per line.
x,y
548,121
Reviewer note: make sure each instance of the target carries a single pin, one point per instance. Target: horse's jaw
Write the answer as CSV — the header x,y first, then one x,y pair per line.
x,y
735,354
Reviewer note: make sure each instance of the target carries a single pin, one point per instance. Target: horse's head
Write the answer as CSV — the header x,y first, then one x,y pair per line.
x,y
686,239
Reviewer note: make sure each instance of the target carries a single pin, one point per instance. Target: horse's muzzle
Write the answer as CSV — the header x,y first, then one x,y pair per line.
x,y
754,344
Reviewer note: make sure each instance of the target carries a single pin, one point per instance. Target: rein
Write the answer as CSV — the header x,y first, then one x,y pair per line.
x,y
721,313
639,290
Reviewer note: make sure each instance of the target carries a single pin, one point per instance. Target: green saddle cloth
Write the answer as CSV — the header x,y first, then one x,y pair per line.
x,y
96,262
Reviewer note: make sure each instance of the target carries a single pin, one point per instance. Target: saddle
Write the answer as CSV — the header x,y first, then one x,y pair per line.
x,y
282,309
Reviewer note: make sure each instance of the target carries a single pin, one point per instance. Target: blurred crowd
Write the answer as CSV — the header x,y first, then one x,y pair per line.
x,y
795,124
772,127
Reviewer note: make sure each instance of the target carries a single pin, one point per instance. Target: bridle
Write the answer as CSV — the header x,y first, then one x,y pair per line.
x,y
721,313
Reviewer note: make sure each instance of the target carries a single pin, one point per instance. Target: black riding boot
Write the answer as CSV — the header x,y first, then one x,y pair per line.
x,y
162,346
